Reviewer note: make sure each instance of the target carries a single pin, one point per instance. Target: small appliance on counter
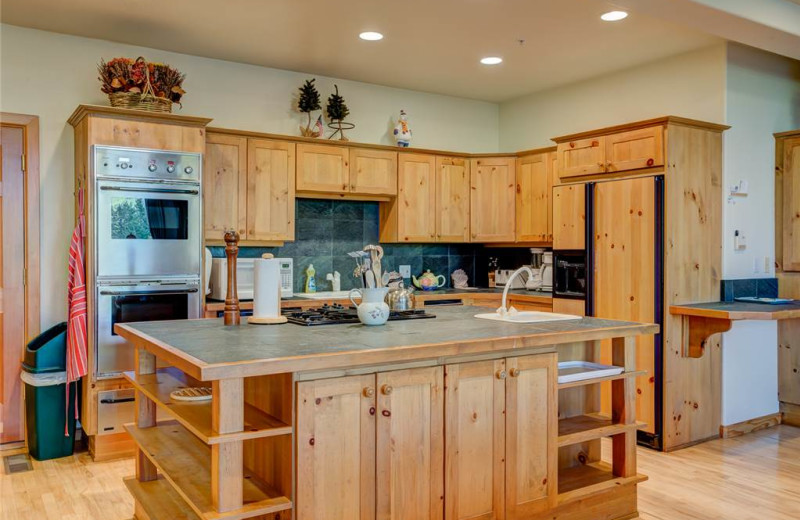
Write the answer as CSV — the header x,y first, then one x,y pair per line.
x,y
501,277
245,278
542,266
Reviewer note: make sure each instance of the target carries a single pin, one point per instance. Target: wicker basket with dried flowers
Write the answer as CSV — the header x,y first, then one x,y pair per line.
x,y
140,85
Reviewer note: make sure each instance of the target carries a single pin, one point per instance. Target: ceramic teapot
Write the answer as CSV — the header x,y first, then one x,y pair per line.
x,y
373,310
429,281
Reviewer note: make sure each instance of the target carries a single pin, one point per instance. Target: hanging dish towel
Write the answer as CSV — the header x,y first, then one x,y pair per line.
x,y
76,304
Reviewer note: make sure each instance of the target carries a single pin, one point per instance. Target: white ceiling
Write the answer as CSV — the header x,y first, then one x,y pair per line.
x,y
430,45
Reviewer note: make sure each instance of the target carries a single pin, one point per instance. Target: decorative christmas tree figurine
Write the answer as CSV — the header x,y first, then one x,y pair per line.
x,y
402,133
337,111
307,103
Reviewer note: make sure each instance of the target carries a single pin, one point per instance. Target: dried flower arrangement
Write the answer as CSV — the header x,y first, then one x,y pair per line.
x,y
139,84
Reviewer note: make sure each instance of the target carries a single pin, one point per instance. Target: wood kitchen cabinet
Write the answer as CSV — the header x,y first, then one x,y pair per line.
x,y
452,199
788,210
248,185
534,202
416,198
373,172
336,445
492,199
410,444
569,217
323,168
581,157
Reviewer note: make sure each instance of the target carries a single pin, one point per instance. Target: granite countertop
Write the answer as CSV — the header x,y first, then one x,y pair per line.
x,y
208,350
738,310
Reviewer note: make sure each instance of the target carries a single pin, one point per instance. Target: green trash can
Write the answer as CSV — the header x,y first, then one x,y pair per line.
x,y
46,407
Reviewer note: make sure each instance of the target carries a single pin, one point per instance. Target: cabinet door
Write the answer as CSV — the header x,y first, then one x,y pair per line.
x,y
553,180
569,217
416,198
270,190
791,205
452,199
224,186
534,184
643,148
336,449
323,168
492,199
531,435
410,440
582,157
624,273
373,172
475,442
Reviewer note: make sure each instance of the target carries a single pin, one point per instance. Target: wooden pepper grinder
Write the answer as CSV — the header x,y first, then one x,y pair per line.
x,y
231,315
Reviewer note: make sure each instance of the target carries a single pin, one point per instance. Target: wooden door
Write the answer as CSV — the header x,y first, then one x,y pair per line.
x,y
416,198
582,157
475,440
323,168
492,199
270,190
531,435
224,186
336,449
636,149
452,199
553,181
373,172
569,217
624,273
410,445
12,289
534,205
791,205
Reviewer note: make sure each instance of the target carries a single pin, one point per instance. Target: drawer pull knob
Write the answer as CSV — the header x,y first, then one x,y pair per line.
x,y
387,390
514,372
369,391
501,374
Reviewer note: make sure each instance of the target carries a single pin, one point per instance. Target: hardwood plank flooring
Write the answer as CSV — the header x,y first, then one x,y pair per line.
x,y
753,477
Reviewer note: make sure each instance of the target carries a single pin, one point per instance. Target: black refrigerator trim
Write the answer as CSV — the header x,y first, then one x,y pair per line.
x,y
589,245
654,440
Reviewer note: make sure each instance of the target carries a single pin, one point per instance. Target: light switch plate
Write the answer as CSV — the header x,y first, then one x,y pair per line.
x,y
405,271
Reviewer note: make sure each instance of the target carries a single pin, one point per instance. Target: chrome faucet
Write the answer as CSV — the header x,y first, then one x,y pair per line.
x,y
503,310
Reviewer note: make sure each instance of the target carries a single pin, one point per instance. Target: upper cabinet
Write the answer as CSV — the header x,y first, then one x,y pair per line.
x,y
416,198
324,170
788,162
618,151
248,185
569,217
492,199
452,199
534,203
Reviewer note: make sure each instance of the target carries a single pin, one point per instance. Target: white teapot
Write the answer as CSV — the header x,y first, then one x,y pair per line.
x,y
373,309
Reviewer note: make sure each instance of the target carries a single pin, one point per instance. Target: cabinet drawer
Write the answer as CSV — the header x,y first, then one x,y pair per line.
x,y
582,157
635,150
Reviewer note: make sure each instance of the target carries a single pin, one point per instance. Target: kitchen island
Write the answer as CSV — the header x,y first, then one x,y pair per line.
x,y
452,417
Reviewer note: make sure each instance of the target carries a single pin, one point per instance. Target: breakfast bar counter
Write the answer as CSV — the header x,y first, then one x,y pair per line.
x,y
406,420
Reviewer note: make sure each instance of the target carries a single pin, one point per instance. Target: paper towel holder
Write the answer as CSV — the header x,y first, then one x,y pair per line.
x,y
276,320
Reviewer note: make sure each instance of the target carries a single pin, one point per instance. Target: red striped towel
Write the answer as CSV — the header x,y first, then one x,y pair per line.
x,y
76,302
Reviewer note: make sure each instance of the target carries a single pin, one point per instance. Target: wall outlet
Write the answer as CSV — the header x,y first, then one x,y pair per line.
x,y
739,242
405,271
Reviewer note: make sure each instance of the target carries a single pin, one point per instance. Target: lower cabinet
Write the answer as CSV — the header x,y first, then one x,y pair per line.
x,y
478,442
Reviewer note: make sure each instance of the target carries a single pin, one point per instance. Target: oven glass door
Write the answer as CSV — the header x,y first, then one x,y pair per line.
x,y
125,304
148,229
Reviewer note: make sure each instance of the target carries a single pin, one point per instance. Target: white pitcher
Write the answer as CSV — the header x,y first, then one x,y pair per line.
x,y
373,309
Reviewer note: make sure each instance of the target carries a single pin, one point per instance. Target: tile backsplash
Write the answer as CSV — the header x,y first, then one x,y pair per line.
x,y
326,230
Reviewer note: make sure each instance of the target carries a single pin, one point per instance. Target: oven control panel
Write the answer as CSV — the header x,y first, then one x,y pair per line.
x,y
134,163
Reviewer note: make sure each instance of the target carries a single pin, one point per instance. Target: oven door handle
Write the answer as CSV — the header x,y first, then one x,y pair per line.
x,y
150,190
146,293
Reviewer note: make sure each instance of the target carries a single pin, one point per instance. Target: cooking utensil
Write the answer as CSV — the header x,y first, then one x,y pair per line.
x,y
375,255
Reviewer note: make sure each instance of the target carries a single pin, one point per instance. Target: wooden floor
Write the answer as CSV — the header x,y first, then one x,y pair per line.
x,y
755,477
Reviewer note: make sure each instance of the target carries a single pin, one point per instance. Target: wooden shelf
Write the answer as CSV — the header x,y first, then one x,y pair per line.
x,y
582,481
196,417
185,462
573,384
159,500
582,428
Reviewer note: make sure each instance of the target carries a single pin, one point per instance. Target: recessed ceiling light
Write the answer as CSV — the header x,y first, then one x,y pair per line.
x,y
371,36
491,60
614,16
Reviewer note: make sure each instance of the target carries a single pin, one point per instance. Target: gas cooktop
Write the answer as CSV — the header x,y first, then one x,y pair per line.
x,y
337,314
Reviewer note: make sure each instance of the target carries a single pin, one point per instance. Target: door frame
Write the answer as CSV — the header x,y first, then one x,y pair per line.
x,y
30,132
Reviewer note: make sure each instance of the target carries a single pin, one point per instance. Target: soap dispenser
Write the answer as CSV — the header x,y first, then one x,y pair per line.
x,y
311,279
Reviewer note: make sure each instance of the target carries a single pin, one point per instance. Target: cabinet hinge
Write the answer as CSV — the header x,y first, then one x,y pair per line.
x,y
22,162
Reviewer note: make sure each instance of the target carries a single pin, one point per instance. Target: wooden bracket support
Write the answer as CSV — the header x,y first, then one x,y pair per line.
x,y
697,330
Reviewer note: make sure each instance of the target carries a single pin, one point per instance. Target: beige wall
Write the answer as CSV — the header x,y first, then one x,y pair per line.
x,y
49,74
689,85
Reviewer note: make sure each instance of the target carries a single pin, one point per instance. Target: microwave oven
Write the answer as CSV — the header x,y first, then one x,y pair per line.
x,y
244,278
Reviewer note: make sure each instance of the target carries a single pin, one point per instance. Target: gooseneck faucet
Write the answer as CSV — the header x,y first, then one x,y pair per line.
x,y
502,311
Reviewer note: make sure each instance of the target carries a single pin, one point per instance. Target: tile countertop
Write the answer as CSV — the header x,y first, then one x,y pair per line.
x,y
738,310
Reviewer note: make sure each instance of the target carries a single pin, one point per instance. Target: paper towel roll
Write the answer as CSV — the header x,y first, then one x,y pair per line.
x,y
266,291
